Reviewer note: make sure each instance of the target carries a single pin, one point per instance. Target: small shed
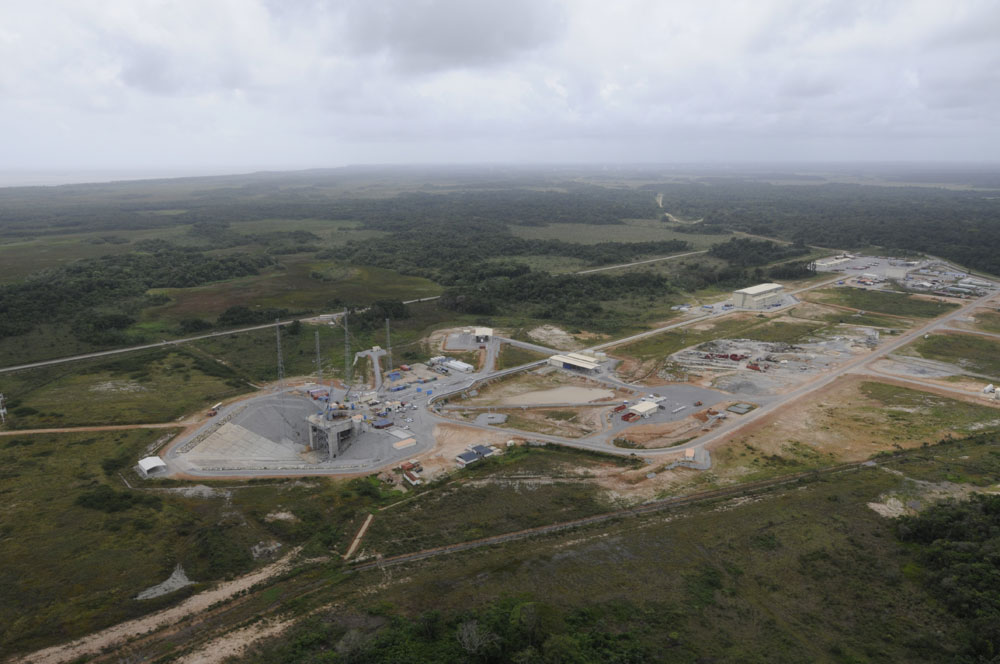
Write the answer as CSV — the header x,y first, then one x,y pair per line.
x,y
465,458
152,466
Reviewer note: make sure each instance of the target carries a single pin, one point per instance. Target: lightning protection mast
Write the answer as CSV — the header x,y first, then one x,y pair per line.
x,y
3,411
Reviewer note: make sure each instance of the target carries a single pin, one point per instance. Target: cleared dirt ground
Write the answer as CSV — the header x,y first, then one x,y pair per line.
x,y
540,381
452,439
554,337
666,434
842,422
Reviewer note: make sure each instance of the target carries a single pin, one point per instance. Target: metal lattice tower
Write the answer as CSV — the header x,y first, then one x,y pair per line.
x,y
319,362
388,345
281,362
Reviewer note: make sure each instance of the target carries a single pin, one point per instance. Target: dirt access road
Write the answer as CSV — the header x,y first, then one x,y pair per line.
x,y
117,635
824,380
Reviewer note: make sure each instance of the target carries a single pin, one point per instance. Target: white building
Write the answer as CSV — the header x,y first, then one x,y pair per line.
x,y
643,408
760,296
574,361
458,365
482,334
152,466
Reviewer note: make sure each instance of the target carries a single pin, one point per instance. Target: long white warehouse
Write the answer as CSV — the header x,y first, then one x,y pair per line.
x,y
574,361
760,296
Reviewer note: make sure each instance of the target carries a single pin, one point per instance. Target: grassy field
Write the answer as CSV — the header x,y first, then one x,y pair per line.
x,y
22,257
915,414
254,354
142,387
462,513
791,575
76,544
553,264
633,230
896,304
783,332
969,351
660,345
854,420
733,327
987,321
514,356
495,497
294,287
67,569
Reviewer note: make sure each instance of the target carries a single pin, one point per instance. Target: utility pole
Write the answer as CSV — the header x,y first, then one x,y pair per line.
x,y
3,411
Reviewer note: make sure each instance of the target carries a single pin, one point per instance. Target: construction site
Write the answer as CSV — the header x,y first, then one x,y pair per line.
x,y
585,398
314,426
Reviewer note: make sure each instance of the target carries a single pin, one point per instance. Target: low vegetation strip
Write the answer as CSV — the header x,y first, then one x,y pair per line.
x,y
118,634
971,352
895,304
646,508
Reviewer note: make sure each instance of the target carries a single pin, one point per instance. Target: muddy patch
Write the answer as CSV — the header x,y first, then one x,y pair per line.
x,y
565,394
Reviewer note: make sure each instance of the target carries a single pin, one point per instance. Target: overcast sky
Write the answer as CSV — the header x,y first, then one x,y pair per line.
x,y
247,84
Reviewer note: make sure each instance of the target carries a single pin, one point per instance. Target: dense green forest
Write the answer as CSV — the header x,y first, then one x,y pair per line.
x,y
743,252
958,543
960,225
454,227
101,295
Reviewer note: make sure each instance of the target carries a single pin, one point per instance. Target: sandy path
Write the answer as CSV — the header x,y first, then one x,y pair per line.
x,y
118,634
235,643
357,538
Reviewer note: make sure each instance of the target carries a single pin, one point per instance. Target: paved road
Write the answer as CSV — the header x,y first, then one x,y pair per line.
x,y
172,342
527,345
949,328
714,314
825,379
650,260
986,399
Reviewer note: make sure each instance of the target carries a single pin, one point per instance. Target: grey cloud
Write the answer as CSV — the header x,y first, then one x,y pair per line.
x,y
148,68
434,35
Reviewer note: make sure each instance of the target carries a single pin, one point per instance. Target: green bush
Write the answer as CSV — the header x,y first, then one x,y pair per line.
x,y
106,499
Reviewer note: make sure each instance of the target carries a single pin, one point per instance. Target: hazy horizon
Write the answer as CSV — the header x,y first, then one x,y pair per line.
x,y
11,178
